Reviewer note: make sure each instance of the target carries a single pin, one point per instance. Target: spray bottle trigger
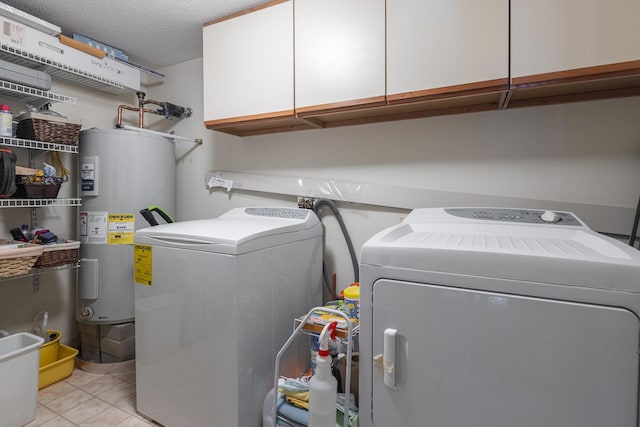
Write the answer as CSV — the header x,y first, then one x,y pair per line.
x,y
332,328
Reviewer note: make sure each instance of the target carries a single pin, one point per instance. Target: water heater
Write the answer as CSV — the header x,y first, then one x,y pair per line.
x,y
122,172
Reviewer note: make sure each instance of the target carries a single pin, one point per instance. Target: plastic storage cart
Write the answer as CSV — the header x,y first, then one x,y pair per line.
x,y
19,364
303,327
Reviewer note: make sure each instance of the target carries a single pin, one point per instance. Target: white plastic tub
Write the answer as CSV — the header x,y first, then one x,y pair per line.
x,y
19,370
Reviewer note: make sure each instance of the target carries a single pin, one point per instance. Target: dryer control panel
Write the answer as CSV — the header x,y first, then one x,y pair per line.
x,y
523,216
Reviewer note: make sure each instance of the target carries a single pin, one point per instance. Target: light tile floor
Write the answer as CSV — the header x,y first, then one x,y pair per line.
x,y
90,400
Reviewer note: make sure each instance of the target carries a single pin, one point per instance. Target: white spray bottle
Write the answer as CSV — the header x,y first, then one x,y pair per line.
x,y
323,385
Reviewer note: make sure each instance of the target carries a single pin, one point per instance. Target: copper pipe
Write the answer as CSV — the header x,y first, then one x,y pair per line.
x,y
120,108
127,107
148,101
140,109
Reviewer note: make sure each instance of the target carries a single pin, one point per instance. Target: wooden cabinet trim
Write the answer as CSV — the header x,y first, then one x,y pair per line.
x,y
244,12
574,97
608,82
412,115
450,91
336,107
290,128
237,121
619,69
250,131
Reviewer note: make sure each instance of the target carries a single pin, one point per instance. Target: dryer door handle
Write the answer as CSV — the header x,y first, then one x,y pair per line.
x,y
389,358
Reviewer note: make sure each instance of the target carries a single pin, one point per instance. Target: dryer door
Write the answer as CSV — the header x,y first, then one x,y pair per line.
x,y
470,358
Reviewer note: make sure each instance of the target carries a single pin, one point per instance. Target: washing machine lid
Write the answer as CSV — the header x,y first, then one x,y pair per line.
x,y
238,231
517,244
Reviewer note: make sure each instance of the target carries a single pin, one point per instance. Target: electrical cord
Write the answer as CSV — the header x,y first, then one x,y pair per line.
x,y
634,229
352,253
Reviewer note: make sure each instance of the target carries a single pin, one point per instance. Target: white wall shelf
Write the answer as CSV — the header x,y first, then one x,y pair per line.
x,y
38,145
15,90
57,69
38,203
37,271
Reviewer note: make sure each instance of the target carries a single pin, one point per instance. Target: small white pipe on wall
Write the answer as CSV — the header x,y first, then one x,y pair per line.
x,y
166,135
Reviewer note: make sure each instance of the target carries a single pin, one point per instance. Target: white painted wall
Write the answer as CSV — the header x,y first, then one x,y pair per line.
x,y
587,154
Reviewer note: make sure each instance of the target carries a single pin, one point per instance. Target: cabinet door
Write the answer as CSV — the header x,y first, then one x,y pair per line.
x,y
248,65
453,44
549,36
339,53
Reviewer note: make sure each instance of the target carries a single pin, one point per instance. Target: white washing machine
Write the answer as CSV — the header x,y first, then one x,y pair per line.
x,y
215,300
498,318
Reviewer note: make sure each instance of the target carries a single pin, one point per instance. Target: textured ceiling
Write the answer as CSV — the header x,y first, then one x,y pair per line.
x,y
155,33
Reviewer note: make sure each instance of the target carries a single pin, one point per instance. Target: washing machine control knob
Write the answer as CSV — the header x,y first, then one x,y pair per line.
x,y
550,216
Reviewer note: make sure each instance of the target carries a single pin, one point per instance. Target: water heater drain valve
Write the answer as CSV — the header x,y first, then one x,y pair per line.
x,y
87,313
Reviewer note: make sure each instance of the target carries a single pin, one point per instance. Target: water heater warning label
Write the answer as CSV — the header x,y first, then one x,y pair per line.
x,y
93,227
142,265
121,229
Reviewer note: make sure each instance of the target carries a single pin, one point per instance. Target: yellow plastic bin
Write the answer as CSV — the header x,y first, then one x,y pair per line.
x,y
60,369
19,373
49,350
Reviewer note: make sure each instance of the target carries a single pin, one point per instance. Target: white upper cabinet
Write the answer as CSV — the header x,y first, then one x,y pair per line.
x,y
339,53
303,64
549,36
248,65
436,44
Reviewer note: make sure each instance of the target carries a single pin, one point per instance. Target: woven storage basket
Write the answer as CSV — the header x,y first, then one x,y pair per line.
x,y
59,254
18,261
41,191
37,191
47,128
47,188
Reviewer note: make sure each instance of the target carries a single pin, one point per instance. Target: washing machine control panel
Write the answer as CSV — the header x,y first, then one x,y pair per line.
x,y
524,216
279,212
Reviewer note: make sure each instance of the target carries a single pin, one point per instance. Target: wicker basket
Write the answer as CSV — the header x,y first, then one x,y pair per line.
x,y
46,188
59,254
47,128
37,191
18,261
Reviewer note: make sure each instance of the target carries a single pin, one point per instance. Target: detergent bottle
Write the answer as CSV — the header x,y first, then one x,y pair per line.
x,y
323,385
6,121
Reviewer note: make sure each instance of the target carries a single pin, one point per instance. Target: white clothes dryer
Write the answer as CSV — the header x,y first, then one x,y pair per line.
x,y
498,318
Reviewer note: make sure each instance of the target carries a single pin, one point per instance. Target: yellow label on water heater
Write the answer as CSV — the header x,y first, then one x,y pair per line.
x,y
121,228
142,265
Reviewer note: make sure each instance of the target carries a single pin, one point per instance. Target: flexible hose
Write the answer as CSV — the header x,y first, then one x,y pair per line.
x,y
345,233
634,229
327,279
